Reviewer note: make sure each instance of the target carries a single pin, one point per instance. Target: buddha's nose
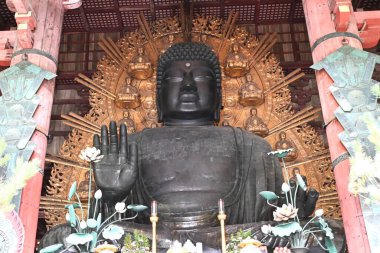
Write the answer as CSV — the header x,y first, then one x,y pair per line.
x,y
188,84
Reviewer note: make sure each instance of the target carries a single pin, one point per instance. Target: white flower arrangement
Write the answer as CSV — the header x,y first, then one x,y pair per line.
x,y
88,231
91,154
287,215
285,212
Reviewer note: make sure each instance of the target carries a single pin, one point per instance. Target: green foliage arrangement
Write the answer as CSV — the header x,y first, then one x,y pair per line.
x,y
364,179
23,171
136,243
289,224
235,239
90,229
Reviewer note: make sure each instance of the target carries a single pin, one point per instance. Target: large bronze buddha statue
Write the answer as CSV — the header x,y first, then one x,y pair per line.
x,y
189,164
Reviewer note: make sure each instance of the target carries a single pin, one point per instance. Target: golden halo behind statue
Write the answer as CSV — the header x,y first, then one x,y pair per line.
x,y
255,97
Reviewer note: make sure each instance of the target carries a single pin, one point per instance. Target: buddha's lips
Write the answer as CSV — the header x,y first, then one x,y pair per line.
x,y
188,97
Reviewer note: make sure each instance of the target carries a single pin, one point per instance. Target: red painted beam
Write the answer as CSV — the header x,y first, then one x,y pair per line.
x,y
319,23
7,41
369,27
20,6
47,37
342,17
368,22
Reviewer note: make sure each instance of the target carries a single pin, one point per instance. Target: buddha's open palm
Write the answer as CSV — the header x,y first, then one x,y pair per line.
x,y
116,173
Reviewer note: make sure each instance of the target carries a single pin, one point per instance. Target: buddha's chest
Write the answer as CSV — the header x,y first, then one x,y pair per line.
x,y
194,160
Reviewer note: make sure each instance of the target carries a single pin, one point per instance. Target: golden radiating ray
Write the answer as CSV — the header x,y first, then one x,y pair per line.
x,y
291,125
328,194
309,160
80,123
228,28
109,48
66,162
284,82
49,201
148,34
80,128
82,79
307,112
257,48
114,47
265,44
89,122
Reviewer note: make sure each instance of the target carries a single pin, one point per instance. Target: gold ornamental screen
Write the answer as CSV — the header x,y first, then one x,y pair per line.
x,y
255,97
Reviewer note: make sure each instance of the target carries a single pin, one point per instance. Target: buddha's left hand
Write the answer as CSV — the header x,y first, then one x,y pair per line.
x,y
305,200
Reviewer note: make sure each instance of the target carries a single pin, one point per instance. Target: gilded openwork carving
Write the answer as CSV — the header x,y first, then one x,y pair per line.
x,y
258,66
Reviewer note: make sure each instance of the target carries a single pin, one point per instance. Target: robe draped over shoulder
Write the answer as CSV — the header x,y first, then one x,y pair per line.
x,y
261,172
258,171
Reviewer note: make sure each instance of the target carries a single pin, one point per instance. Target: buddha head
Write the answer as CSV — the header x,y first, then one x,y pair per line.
x,y
282,135
188,85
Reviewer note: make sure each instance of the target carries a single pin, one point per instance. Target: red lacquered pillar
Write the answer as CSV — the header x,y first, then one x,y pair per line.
x,y
320,24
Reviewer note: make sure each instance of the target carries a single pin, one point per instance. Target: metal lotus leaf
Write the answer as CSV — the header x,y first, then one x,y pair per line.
x,y
21,81
268,195
73,189
24,153
16,134
281,153
92,223
353,122
355,100
137,208
93,242
329,244
113,232
352,70
286,229
79,238
18,110
51,248
349,66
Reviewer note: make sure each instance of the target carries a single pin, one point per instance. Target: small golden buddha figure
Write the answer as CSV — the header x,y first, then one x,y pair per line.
x,y
203,38
283,143
225,122
128,97
152,114
140,67
153,125
236,64
250,94
256,125
170,39
129,123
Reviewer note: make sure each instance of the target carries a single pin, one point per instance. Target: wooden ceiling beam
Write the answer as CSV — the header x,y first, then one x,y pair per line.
x,y
136,9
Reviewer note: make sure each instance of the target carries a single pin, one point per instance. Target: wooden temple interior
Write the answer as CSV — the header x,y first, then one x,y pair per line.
x,y
85,28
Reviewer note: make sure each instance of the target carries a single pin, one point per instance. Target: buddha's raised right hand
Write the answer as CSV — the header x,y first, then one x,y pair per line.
x,y
116,173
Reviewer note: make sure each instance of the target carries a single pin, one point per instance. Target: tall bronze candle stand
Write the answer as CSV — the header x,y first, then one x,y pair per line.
x,y
222,217
154,220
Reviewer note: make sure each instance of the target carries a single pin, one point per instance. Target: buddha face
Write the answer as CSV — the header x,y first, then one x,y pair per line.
x,y
188,94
